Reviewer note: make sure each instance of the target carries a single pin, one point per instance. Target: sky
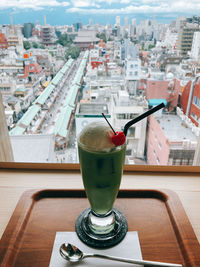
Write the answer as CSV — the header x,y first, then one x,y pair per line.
x,y
61,12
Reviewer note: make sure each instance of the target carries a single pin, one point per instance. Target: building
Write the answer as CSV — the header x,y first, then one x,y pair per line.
x,y
47,35
117,21
6,153
195,51
170,141
77,26
166,89
86,38
132,68
90,112
126,109
185,37
27,29
3,41
190,101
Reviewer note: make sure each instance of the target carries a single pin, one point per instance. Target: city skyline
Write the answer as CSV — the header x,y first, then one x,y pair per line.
x,y
60,12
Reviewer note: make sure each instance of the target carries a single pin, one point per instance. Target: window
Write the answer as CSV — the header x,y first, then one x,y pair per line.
x,y
196,101
68,77
131,132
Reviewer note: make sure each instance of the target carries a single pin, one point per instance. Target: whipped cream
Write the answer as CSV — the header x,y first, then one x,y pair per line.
x,y
96,136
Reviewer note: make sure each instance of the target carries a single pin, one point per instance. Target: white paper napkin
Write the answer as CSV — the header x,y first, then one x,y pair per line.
x,y
129,247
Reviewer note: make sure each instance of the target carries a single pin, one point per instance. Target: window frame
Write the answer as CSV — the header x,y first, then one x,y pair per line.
x,y
128,168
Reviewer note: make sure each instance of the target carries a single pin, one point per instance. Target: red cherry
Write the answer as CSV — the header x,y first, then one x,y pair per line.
x,y
118,139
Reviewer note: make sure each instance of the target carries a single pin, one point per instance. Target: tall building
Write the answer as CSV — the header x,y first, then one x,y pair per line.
x,y
117,21
77,26
126,22
195,51
6,153
185,37
132,67
27,29
133,22
133,28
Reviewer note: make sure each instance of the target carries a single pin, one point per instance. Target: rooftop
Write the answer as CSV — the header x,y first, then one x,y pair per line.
x,y
175,129
92,109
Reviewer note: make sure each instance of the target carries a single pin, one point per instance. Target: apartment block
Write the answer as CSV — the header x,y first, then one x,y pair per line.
x,y
185,37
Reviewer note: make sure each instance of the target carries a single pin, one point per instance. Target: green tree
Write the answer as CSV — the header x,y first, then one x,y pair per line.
x,y
34,45
73,51
42,46
64,40
102,36
27,45
151,46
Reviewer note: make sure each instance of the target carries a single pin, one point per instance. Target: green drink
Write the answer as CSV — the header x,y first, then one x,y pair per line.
x,y
101,155
101,173
101,162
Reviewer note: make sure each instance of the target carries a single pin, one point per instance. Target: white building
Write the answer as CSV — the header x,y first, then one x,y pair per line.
x,y
94,53
124,111
117,21
195,51
117,50
132,68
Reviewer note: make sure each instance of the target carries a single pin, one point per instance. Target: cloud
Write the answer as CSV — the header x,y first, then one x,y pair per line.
x,y
84,3
34,4
147,6
125,1
109,6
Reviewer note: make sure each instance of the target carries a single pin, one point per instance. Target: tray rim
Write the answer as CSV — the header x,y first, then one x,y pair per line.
x,y
186,237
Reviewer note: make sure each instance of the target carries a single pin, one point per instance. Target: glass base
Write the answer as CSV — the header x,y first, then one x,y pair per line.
x,y
101,232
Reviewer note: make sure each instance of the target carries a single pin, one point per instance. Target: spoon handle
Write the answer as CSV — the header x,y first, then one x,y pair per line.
x,y
140,262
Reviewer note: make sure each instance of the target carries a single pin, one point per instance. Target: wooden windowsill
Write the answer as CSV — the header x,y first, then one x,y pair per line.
x,y
76,166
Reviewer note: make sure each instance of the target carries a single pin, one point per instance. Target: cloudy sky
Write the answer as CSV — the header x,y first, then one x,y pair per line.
x,y
104,10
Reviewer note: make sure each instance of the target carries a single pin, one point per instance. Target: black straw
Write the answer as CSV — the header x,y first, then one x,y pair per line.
x,y
142,116
109,124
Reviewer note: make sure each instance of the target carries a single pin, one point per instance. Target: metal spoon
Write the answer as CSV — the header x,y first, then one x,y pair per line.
x,y
71,253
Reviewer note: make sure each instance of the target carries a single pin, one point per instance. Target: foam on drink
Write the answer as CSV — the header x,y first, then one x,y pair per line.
x,y
96,136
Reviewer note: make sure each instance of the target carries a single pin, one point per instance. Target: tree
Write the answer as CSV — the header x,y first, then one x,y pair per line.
x,y
42,46
73,51
34,45
151,46
27,45
102,36
64,40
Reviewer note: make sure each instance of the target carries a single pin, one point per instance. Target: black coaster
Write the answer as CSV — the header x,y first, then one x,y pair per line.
x,y
101,241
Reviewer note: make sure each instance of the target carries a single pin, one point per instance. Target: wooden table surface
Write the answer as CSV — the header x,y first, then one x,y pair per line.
x,y
13,182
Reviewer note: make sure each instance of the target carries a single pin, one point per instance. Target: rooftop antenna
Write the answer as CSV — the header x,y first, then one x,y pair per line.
x,y
44,19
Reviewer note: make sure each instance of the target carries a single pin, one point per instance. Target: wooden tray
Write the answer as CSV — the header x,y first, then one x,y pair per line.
x,y
164,230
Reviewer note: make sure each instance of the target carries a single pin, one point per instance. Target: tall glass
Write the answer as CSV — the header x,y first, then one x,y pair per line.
x,y
101,225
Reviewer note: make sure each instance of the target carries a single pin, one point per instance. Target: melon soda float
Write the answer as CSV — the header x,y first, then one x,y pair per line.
x,y
102,154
